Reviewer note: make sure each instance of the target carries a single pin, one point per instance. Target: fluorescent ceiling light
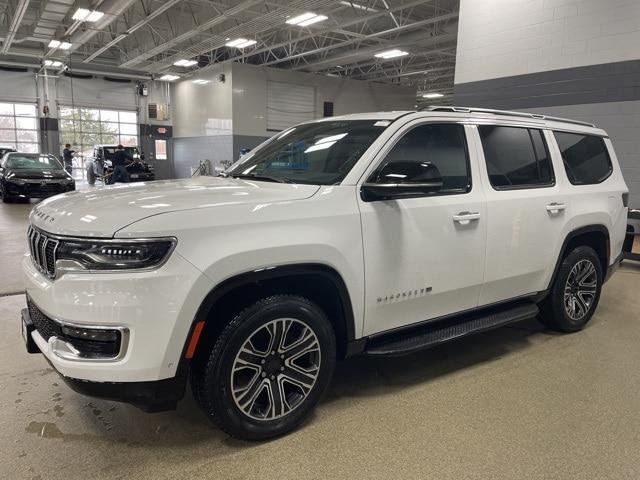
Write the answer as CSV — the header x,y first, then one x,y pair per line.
x,y
81,14
54,43
85,15
391,54
94,16
306,19
301,18
432,95
240,43
185,63
52,63
200,81
65,46
169,77
358,6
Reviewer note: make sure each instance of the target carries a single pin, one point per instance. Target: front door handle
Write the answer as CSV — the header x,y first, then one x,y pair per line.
x,y
464,218
556,207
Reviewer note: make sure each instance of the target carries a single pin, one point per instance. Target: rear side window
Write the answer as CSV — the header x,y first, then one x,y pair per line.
x,y
516,157
586,159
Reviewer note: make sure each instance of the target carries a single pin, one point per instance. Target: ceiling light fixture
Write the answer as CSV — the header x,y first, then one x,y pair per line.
x,y
85,15
53,63
200,81
185,63
306,19
54,43
169,77
240,43
432,95
395,53
358,6
65,46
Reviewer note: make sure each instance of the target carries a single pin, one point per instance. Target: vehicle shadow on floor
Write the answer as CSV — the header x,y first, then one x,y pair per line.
x,y
355,379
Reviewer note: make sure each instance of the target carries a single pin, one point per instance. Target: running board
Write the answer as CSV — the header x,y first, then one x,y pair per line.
x,y
441,331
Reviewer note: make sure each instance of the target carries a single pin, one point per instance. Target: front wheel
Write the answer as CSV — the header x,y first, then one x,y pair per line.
x,y
575,292
268,368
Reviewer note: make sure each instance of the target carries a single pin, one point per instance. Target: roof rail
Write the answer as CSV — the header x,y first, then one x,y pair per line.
x,y
537,116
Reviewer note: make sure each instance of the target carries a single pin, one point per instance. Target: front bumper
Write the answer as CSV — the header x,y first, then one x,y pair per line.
x,y
153,396
37,189
155,308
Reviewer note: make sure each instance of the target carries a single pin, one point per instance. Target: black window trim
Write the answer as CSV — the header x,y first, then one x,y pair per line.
x,y
606,151
529,186
469,188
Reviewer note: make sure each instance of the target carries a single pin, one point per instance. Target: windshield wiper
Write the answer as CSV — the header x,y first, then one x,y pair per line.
x,y
265,178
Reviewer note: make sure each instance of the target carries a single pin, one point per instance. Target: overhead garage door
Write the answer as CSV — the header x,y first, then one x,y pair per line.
x,y
289,104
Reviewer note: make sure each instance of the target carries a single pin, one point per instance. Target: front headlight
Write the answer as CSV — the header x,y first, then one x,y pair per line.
x,y
113,255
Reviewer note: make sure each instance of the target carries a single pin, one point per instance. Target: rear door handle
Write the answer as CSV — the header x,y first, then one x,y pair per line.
x,y
556,207
464,218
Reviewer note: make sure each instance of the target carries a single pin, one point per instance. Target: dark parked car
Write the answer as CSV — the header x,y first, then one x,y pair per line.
x,y
99,166
631,248
32,175
4,150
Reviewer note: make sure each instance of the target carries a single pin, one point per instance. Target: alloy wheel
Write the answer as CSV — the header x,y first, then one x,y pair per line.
x,y
580,289
275,369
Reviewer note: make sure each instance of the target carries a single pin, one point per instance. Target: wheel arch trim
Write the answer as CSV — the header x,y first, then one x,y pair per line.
x,y
595,228
273,273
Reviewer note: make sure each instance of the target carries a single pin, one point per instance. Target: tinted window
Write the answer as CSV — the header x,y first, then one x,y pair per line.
x,y
442,145
516,157
585,157
26,161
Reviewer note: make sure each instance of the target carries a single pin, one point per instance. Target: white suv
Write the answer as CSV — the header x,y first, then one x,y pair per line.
x,y
378,233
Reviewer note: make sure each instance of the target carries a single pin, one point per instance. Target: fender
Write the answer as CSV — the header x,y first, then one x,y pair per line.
x,y
570,236
275,272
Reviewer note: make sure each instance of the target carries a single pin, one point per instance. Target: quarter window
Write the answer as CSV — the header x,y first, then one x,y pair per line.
x,y
585,158
516,157
442,145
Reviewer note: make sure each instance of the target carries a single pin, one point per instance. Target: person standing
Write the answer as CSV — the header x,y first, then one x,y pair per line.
x,y
67,158
120,158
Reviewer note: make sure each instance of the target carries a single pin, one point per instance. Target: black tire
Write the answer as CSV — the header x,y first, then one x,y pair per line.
x,y
213,380
574,312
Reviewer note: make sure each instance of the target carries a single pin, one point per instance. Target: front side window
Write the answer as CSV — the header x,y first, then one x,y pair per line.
x,y
442,146
25,161
319,153
516,157
585,158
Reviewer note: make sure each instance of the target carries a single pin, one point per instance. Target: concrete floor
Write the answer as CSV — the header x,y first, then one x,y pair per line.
x,y
519,402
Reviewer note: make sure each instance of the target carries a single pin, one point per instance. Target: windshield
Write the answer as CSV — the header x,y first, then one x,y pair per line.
x,y
110,152
317,153
26,161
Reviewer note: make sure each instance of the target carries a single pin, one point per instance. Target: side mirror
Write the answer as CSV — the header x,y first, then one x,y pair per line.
x,y
402,180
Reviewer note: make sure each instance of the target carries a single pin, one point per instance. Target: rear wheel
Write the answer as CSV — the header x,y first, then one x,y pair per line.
x,y
575,292
268,368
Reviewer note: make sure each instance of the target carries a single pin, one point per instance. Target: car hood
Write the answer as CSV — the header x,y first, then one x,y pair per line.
x,y
101,212
37,174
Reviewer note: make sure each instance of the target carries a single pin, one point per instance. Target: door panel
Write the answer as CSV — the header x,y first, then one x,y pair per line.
x,y
523,228
420,261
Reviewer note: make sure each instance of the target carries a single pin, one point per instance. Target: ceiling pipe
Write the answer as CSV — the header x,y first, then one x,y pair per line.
x,y
157,12
15,25
112,10
325,31
226,15
410,26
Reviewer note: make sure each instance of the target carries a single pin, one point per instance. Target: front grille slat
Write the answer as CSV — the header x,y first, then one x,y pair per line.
x,y
43,249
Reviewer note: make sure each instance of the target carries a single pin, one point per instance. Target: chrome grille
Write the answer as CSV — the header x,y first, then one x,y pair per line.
x,y
43,251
